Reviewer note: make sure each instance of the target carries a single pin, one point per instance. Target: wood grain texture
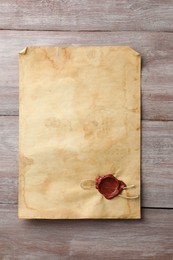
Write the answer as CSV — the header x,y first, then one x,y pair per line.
x,y
157,64
157,164
149,238
75,15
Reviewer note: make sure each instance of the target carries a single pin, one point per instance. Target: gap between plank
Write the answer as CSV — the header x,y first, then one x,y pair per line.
x,y
16,203
145,119
83,31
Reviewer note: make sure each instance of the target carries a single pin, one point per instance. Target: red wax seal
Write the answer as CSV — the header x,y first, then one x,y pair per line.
x,y
109,186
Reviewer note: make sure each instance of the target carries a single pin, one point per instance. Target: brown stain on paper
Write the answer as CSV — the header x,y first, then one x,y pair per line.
x,y
25,161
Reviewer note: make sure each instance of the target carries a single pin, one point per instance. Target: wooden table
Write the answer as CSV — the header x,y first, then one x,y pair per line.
x,y
147,27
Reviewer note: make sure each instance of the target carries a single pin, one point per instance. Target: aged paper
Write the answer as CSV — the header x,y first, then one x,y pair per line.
x,y
79,118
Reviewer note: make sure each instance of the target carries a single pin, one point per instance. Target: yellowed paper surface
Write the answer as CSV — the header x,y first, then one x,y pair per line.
x,y
79,118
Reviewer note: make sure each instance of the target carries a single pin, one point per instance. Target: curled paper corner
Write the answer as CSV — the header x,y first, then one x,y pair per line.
x,y
23,51
133,51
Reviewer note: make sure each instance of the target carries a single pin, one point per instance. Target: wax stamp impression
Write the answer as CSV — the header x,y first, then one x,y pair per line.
x,y
109,186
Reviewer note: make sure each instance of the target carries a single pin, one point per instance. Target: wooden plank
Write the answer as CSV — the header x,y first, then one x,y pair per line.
x,y
149,238
8,159
74,15
157,64
157,164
